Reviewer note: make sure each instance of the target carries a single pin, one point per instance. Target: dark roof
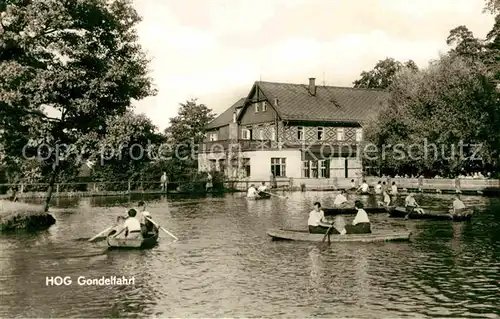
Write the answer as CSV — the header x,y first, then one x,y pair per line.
x,y
226,117
331,103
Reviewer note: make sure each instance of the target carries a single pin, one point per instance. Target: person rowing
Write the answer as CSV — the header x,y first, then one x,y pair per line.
x,y
364,188
317,223
130,226
262,190
387,200
410,205
458,207
340,199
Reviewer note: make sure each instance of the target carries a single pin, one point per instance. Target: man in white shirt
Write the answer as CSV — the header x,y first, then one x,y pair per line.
x,y
410,205
262,188
394,189
378,188
252,192
458,206
131,226
340,199
364,188
387,200
361,223
317,223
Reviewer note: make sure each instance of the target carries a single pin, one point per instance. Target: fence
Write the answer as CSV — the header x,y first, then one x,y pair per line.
x,y
128,187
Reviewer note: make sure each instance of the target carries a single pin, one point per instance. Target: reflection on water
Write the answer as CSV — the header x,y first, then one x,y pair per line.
x,y
224,265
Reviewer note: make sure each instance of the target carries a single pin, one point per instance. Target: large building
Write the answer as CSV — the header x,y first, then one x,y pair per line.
x,y
291,130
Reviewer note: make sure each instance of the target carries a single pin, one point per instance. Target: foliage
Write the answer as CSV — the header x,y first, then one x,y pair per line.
x,y
383,74
79,60
449,102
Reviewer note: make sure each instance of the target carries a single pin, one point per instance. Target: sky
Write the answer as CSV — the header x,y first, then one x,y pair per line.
x,y
214,50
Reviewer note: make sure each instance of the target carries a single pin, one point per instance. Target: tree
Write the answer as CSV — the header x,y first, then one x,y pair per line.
x,y
382,75
131,145
80,59
464,42
492,6
448,104
185,133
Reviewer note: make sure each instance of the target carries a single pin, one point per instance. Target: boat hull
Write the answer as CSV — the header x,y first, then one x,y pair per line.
x,y
347,211
136,243
304,235
400,212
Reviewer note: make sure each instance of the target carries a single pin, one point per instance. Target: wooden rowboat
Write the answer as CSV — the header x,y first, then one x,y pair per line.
x,y
304,235
126,243
346,211
400,212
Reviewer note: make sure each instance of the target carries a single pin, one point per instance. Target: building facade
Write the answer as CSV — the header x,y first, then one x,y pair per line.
x,y
291,131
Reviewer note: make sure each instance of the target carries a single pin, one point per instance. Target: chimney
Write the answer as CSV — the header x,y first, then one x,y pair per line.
x,y
312,86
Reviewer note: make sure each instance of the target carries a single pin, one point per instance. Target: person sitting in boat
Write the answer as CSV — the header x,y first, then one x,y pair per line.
x,y
364,188
131,226
458,206
394,189
410,205
252,192
387,200
340,199
361,223
262,189
317,223
353,185
378,188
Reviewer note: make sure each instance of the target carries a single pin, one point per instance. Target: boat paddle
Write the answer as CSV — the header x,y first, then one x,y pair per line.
x,y
100,234
158,226
275,195
328,234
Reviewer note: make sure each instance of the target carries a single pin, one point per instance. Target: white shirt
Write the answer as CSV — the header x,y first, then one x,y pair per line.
x,y
340,199
394,189
364,187
361,217
252,192
315,218
262,188
458,204
387,199
410,201
132,224
378,189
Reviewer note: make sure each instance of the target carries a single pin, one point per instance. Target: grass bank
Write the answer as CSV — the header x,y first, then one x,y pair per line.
x,y
15,215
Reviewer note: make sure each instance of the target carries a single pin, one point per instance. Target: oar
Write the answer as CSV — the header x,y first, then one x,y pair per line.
x,y
275,195
328,234
158,226
100,234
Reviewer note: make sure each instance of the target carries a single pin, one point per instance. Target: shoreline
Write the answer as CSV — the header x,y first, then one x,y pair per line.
x,y
22,216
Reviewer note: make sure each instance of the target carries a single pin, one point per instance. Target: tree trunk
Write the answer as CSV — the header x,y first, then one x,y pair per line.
x,y
52,182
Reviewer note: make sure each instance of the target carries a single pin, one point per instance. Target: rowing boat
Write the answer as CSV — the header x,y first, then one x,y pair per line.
x,y
346,211
400,212
261,196
142,242
304,235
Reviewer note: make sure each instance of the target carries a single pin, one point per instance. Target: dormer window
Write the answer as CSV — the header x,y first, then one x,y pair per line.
x,y
257,107
213,137
320,133
264,106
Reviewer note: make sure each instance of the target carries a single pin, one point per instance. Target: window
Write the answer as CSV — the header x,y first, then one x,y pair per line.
x,y
245,134
324,168
359,134
278,166
213,137
320,133
245,165
314,169
264,106
261,133
273,133
257,107
305,169
340,134
300,133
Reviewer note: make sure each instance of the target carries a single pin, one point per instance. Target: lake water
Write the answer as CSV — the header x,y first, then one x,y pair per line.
x,y
224,264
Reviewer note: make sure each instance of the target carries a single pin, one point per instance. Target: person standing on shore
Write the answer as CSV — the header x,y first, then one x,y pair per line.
x,y
164,182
